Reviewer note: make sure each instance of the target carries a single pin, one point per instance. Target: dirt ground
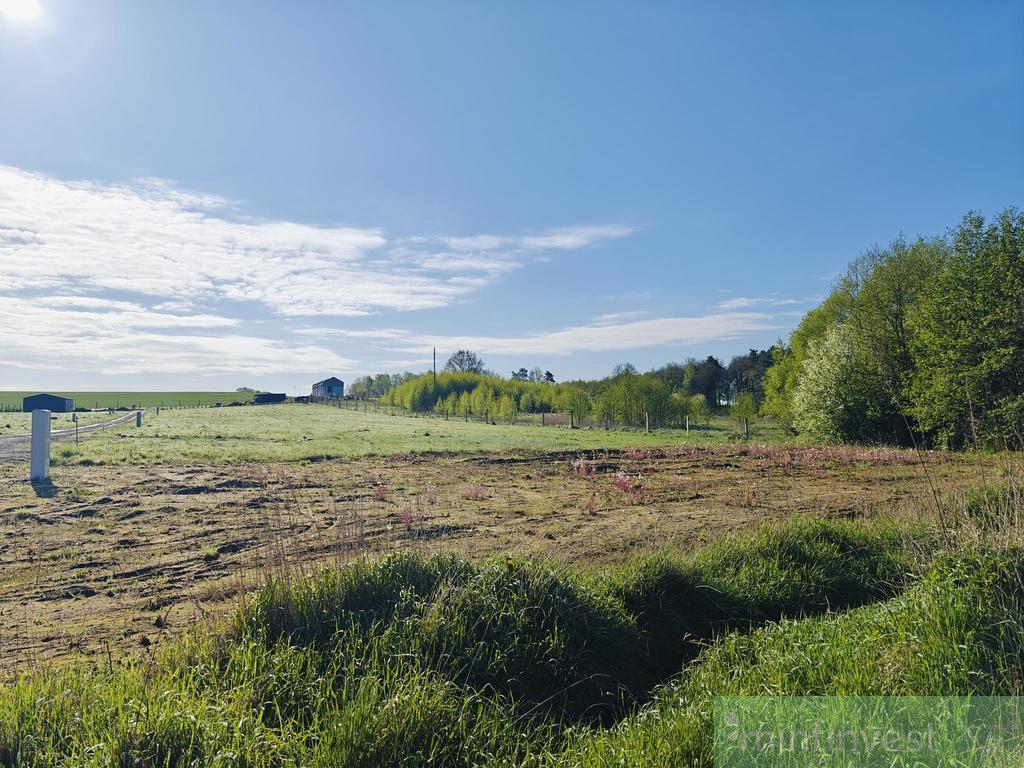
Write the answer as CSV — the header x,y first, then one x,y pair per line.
x,y
110,560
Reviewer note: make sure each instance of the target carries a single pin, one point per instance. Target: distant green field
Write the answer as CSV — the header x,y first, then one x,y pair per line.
x,y
127,399
295,432
21,423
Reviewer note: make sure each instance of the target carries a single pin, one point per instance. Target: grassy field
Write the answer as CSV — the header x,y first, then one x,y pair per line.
x,y
294,432
139,399
443,593
85,565
437,661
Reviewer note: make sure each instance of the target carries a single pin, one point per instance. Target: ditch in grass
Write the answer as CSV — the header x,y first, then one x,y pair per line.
x,y
437,661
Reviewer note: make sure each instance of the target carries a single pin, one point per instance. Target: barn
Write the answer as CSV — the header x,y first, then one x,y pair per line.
x,y
332,387
44,402
269,398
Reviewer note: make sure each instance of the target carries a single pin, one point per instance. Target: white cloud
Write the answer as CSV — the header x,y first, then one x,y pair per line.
x,y
562,238
122,338
376,333
605,336
150,238
446,262
411,363
744,302
87,302
118,278
616,317
570,238
478,243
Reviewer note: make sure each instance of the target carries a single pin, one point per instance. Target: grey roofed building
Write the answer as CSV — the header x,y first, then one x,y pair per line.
x,y
269,398
331,387
45,402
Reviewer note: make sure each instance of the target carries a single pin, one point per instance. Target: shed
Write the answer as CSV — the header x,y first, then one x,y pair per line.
x,y
269,398
332,387
45,402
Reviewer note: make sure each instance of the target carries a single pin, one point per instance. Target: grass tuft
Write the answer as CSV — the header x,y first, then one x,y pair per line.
x,y
436,661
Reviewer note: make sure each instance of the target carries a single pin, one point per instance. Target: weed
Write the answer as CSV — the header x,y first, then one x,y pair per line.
x,y
474,492
634,487
405,514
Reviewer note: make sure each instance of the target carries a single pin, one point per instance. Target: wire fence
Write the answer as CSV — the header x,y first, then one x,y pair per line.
x,y
17,447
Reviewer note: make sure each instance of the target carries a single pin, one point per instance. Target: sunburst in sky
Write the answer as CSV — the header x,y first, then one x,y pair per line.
x,y
21,10
200,194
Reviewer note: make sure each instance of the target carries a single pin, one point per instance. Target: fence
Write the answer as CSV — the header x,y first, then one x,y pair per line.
x,y
561,419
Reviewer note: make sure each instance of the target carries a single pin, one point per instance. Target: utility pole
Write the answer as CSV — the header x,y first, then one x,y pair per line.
x,y
435,374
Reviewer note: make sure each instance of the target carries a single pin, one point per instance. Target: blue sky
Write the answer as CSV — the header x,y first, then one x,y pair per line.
x,y
203,195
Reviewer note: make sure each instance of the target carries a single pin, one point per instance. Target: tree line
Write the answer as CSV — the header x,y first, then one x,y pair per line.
x,y
672,395
918,342
378,385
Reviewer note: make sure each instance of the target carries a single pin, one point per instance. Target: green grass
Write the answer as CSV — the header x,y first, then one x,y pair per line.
x,y
127,399
295,432
435,661
21,423
958,632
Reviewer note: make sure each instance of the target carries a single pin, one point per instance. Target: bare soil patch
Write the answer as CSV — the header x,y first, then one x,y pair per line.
x,y
121,558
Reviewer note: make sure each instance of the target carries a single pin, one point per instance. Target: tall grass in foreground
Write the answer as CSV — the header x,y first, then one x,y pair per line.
x,y
958,631
435,661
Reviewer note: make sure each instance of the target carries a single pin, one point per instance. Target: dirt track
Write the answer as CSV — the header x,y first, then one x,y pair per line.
x,y
121,557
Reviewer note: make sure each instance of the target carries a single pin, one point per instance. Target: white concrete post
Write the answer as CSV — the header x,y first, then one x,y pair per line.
x,y
39,465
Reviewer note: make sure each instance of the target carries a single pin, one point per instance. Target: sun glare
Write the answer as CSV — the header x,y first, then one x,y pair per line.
x,y
20,10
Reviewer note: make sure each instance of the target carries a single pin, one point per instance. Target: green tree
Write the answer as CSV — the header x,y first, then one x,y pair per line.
x,y
744,409
884,286
708,378
782,377
672,374
505,408
969,340
700,411
838,398
745,373
465,361
680,405
465,406
574,399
